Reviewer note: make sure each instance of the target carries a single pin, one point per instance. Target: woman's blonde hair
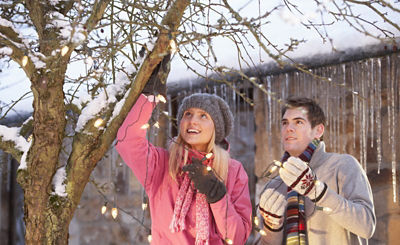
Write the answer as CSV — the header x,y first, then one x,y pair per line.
x,y
178,150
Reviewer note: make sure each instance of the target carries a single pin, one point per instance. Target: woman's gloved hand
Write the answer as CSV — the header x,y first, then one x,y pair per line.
x,y
205,181
157,83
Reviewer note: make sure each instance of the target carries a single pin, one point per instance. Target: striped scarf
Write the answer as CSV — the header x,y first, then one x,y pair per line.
x,y
295,225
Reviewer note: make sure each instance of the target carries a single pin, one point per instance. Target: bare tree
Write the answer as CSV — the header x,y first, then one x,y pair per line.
x,y
108,38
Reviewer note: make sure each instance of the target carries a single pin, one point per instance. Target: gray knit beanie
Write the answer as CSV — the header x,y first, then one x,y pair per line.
x,y
213,105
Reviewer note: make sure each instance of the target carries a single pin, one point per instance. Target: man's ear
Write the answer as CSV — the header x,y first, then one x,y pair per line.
x,y
319,131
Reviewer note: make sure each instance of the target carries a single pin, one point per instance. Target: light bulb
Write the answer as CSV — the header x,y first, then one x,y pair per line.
x,y
326,209
145,126
89,61
172,45
24,60
256,221
144,206
161,98
157,125
263,233
273,169
209,168
228,241
98,122
64,50
149,238
103,209
277,163
209,155
114,212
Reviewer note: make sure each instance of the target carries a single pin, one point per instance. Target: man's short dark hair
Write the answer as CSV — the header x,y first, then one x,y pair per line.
x,y
315,114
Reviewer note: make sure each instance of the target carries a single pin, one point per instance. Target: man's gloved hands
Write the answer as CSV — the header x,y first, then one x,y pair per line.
x,y
299,176
272,207
158,79
205,181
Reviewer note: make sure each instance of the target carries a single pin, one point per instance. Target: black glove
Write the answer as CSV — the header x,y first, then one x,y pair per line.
x,y
205,181
158,79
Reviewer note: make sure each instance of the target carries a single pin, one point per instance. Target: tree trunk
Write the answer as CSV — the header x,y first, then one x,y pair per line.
x,y
47,215
42,159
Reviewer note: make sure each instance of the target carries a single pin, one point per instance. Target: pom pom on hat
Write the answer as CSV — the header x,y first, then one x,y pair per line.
x,y
216,107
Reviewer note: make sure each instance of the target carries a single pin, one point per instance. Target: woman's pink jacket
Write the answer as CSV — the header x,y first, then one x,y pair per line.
x,y
230,217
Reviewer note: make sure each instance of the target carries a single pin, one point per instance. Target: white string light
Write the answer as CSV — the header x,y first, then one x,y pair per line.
x,y
144,206
278,163
24,60
172,45
145,126
161,98
157,125
64,50
228,241
114,212
253,79
89,61
256,220
98,122
103,209
149,238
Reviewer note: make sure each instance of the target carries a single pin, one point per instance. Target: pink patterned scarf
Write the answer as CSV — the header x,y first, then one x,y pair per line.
x,y
182,205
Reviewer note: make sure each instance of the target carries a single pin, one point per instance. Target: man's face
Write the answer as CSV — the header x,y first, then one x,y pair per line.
x,y
296,131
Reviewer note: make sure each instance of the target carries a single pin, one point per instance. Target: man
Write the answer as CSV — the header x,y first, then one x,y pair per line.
x,y
318,197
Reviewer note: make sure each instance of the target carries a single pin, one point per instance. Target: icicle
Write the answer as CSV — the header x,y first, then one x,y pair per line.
x,y
269,114
364,123
354,106
387,78
234,100
378,115
335,116
371,96
344,110
392,73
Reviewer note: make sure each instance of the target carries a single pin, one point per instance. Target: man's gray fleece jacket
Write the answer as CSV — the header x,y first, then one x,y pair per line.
x,y
349,196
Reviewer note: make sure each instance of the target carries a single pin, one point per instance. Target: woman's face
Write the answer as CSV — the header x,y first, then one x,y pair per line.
x,y
196,128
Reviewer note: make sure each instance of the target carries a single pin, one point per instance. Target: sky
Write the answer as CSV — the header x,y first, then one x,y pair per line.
x,y
13,82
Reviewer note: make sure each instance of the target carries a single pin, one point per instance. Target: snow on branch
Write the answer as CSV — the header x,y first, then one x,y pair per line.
x,y
5,51
12,142
7,23
59,184
75,33
101,103
12,134
17,46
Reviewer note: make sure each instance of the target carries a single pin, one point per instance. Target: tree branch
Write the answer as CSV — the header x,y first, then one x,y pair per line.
x,y
97,14
88,149
37,15
11,142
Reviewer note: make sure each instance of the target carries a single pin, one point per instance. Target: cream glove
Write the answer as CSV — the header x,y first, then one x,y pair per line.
x,y
272,207
299,176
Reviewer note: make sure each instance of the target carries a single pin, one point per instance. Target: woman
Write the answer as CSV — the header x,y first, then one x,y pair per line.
x,y
190,203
